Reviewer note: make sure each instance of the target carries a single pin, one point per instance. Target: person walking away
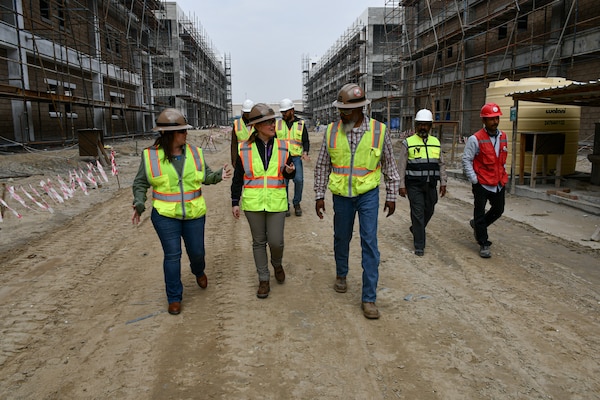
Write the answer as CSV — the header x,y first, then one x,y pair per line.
x,y
293,129
259,186
355,152
483,161
240,131
421,166
176,171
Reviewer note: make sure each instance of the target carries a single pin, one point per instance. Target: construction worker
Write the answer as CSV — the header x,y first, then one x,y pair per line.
x,y
355,152
293,130
421,166
483,161
176,172
240,131
259,186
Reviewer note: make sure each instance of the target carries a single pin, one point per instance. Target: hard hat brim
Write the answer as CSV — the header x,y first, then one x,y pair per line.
x,y
358,104
261,119
171,128
285,109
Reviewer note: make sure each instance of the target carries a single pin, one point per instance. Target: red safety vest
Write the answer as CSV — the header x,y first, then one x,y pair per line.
x,y
487,165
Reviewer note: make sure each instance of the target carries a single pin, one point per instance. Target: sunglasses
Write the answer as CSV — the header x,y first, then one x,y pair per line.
x,y
345,111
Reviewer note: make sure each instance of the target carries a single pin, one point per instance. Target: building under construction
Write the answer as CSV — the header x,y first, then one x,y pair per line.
x,y
104,65
360,55
444,54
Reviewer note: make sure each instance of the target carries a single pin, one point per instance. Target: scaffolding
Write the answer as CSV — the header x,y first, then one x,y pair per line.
x,y
70,65
360,55
452,50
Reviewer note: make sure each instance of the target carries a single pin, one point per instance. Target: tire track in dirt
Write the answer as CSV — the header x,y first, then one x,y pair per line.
x,y
49,297
514,315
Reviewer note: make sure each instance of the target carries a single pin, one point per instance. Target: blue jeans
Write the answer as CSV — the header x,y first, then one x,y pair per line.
x,y
345,209
170,231
298,181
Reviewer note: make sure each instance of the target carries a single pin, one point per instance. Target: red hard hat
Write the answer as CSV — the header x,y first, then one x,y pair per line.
x,y
490,110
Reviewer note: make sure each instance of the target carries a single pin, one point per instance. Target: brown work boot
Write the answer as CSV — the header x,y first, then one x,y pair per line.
x,y
297,210
279,274
340,284
263,290
370,310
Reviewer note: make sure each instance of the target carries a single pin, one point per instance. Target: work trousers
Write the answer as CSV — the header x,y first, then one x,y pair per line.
x,y
170,232
345,210
423,198
266,228
482,218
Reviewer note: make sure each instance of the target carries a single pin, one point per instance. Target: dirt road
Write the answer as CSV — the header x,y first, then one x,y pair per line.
x,y
83,310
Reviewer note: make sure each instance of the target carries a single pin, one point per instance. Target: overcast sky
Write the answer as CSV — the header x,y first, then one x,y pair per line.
x,y
267,39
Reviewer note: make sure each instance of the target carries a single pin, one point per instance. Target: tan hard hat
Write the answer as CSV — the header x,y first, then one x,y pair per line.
x,y
171,119
351,96
260,113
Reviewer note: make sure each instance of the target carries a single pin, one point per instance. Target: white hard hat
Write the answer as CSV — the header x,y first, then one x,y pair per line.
x,y
285,104
247,105
424,115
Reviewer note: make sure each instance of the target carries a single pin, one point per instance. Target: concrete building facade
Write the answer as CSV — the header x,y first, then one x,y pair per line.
x,y
103,65
360,56
443,55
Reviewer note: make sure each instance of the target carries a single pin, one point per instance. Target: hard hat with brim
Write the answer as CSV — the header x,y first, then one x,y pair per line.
x,y
351,96
171,119
260,113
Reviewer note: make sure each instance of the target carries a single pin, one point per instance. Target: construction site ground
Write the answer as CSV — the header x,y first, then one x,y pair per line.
x,y
83,308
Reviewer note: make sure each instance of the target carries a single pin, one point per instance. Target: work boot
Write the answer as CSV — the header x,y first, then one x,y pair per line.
x,y
370,310
287,213
340,284
263,289
484,251
279,274
297,210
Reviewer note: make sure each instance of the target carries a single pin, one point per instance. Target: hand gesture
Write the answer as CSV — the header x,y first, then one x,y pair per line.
x,y
226,172
135,219
235,210
289,168
390,207
320,208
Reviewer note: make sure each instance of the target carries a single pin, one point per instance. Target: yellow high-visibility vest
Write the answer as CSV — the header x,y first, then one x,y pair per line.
x,y
176,196
264,190
292,135
358,173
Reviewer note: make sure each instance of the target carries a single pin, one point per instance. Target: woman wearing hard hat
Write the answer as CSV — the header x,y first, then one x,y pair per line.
x,y
258,184
176,171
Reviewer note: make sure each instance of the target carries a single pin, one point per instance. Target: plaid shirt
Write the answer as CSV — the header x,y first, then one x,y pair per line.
x,y
388,164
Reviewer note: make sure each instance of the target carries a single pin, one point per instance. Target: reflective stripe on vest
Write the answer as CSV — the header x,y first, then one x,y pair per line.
x,y
423,158
241,130
261,181
292,135
355,173
187,190
264,190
